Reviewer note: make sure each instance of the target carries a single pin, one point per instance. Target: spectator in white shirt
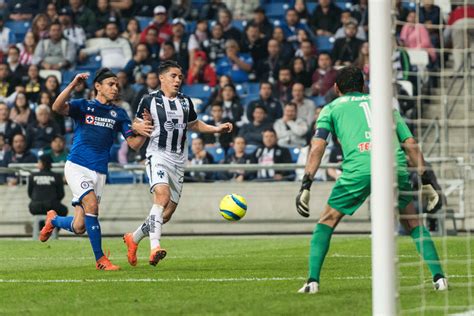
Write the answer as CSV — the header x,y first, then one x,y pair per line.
x,y
7,37
114,50
305,106
56,52
291,131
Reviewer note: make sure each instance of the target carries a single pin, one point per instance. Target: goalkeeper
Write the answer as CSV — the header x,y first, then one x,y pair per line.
x,y
349,119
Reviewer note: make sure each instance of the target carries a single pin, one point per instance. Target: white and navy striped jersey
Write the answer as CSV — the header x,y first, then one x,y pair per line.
x,y
170,120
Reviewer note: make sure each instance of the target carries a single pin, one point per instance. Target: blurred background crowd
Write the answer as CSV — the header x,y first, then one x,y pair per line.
x,y
267,66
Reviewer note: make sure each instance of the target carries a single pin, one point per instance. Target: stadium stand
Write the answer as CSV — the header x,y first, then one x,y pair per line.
x,y
268,15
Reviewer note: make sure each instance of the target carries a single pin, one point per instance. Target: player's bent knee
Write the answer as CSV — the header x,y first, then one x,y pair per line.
x,y
330,217
92,207
79,229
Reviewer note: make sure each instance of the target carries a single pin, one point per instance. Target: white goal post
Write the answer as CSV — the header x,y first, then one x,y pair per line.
x,y
382,176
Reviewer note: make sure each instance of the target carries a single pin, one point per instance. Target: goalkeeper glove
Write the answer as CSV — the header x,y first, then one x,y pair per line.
x,y
428,191
302,199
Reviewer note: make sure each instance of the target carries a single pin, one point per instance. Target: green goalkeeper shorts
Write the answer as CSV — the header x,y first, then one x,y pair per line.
x,y
351,190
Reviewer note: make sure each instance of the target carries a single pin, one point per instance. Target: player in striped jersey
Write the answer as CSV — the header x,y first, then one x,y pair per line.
x,y
172,113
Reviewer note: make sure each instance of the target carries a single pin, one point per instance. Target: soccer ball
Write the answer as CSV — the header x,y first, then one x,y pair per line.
x,y
233,207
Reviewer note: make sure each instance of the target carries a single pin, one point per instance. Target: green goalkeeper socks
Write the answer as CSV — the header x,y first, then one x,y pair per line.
x,y
319,248
426,248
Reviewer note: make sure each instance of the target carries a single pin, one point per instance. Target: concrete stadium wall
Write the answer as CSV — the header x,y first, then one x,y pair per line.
x,y
271,209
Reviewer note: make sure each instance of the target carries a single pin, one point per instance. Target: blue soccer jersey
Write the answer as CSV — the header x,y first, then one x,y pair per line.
x,y
95,124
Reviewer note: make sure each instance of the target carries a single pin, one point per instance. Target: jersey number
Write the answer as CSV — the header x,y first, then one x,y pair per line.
x,y
367,112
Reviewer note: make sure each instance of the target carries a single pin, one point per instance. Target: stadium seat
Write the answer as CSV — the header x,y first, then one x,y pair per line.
x,y
311,6
344,5
68,76
92,63
295,152
253,88
19,28
239,24
217,153
324,43
245,100
409,5
144,21
121,177
250,149
275,10
241,89
319,101
200,91
190,26
137,87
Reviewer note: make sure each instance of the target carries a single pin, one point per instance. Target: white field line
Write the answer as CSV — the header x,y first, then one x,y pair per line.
x,y
210,280
334,255
466,313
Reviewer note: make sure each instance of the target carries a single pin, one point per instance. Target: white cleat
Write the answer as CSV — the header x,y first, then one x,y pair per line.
x,y
441,284
310,288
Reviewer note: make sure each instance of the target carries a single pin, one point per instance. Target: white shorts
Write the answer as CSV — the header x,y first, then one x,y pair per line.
x,y
161,171
82,180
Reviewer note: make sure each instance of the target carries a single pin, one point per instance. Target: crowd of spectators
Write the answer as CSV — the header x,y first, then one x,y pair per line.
x,y
221,44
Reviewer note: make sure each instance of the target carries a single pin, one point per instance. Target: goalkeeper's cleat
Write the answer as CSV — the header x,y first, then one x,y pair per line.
x,y
310,288
48,228
441,284
131,249
156,255
104,264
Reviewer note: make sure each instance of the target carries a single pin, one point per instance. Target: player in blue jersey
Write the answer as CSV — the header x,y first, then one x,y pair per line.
x,y
96,121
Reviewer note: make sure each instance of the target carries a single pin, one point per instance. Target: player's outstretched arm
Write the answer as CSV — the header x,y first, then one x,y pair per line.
x,y
414,154
416,160
60,105
318,146
136,142
142,128
201,127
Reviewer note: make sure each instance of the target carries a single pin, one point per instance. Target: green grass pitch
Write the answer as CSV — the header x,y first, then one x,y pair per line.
x,y
220,276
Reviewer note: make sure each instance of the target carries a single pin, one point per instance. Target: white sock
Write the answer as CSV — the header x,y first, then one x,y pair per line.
x,y
156,221
142,231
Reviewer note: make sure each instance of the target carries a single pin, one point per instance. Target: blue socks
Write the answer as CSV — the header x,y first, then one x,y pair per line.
x,y
64,222
95,235
92,228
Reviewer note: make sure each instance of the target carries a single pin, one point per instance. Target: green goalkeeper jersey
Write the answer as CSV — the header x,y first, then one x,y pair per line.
x,y
349,119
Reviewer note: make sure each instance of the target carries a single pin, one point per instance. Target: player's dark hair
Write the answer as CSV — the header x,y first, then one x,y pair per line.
x,y
60,137
46,161
293,104
270,129
265,82
325,53
167,64
14,48
350,79
218,105
102,74
259,106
